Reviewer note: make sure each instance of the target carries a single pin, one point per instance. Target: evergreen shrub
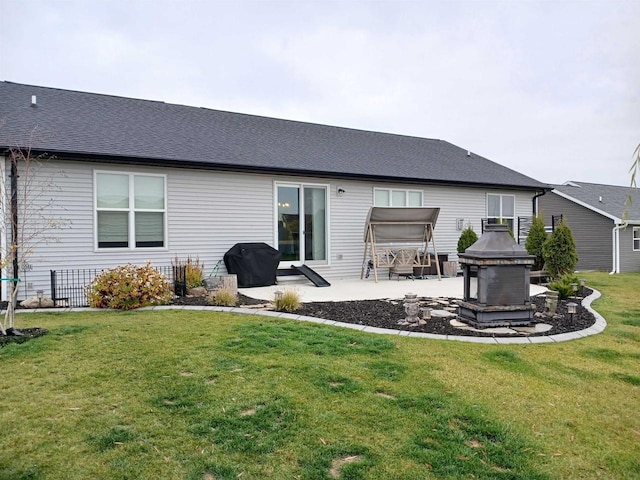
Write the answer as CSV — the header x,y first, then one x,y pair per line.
x,y
559,251
535,241
467,238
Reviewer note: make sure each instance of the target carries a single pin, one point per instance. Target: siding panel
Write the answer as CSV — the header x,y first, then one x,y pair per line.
x,y
629,259
591,231
210,211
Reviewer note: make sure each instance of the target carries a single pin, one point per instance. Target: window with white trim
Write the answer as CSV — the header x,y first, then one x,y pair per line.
x,y
130,210
386,197
501,209
636,239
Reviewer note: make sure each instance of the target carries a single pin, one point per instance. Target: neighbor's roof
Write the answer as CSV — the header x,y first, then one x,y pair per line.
x,y
608,200
89,126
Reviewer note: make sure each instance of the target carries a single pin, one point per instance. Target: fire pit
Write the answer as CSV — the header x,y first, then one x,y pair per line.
x,y
496,281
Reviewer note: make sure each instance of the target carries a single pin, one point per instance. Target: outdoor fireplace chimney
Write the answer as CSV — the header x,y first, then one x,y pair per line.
x,y
496,281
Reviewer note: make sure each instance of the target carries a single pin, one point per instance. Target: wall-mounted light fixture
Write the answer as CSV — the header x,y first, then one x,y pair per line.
x,y
340,191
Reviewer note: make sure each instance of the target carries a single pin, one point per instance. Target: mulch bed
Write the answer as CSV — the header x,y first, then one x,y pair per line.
x,y
22,335
386,313
383,314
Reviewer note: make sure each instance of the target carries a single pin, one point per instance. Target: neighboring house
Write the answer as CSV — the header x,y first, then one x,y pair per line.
x,y
144,180
605,227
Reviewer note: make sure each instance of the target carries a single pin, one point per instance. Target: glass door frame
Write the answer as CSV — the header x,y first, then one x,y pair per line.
x,y
301,213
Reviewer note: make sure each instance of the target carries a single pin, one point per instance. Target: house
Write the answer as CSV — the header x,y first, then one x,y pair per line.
x,y
136,180
606,229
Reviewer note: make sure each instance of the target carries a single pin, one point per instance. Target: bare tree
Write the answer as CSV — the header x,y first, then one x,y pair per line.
x,y
635,168
26,214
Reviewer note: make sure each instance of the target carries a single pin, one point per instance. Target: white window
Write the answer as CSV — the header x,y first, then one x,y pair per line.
x,y
501,209
636,239
385,197
130,210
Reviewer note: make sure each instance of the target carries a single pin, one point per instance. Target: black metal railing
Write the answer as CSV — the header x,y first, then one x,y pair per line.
x,y
520,232
69,287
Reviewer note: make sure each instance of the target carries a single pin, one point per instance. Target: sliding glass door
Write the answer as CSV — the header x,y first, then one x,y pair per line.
x,y
302,223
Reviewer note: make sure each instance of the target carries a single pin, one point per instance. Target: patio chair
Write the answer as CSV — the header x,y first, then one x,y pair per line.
x,y
404,261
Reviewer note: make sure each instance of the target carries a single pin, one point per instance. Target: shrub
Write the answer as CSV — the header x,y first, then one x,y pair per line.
x,y
559,252
225,297
535,241
467,239
129,286
289,301
563,285
193,270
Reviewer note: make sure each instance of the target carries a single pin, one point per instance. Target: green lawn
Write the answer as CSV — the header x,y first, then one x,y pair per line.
x,y
199,395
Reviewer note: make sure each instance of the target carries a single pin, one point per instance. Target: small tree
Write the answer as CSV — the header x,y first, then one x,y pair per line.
x,y
467,238
535,241
26,207
559,251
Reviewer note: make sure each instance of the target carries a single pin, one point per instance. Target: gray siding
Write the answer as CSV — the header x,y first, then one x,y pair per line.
x,y
629,259
591,231
210,211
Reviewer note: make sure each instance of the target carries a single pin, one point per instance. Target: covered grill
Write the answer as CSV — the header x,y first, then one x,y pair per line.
x,y
255,264
496,281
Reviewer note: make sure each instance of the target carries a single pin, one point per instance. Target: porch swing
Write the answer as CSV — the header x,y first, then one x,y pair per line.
x,y
398,238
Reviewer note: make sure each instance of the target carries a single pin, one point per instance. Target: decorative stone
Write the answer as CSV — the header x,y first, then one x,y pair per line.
x,y
442,314
197,292
33,302
411,307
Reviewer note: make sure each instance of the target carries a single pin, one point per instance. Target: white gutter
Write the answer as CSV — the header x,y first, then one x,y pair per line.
x,y
615,237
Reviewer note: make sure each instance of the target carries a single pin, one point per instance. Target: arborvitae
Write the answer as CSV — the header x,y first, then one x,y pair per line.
x,y
535,241
467,239
559,252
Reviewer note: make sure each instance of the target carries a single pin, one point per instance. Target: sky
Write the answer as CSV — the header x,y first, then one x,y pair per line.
x,y
548,88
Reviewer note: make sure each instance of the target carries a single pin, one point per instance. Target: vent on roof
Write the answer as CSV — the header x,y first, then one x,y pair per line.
x,y
33,101
468,153
600,199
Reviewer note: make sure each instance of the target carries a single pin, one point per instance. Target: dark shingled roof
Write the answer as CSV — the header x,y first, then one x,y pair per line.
x,y
608,199
80,125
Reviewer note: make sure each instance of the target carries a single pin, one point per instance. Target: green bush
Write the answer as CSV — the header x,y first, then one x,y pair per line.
x,y
467,239
559,252
289,301
535,241
563,285
128,287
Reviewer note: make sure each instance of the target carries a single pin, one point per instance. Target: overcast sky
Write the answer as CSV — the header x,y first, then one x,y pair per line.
x,y
550,89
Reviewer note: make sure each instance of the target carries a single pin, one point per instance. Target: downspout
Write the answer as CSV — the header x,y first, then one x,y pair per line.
x,y
615,237
535,204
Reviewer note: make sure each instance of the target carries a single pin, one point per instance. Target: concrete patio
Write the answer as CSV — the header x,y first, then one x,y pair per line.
x,y
368,289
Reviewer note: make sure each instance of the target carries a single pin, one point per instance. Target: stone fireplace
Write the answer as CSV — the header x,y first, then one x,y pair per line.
x,y
496,281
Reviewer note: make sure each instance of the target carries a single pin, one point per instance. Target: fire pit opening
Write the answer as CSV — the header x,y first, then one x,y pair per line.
x,y
496,281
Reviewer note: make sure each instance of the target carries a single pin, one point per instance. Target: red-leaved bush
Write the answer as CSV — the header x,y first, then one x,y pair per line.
x,y
128,287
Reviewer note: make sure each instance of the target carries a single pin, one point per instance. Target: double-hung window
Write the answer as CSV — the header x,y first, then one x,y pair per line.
x,y
130,210
501,209
636,239
386,197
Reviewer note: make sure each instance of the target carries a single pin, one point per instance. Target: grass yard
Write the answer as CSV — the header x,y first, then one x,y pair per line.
x,y
200,395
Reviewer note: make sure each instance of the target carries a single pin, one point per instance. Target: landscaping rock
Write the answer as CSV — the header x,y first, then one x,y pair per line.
x,y
198,292
33,302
